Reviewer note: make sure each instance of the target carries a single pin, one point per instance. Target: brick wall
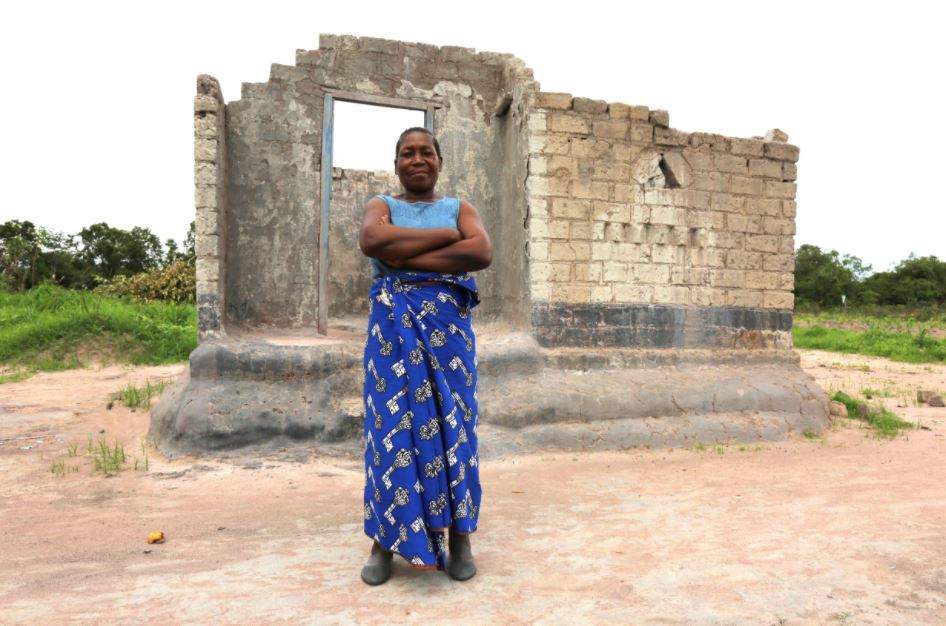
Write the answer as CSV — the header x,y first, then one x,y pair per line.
x,y
210,202
627,213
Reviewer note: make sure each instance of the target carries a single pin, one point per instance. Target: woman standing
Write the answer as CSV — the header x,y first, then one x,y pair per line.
x,y
421,463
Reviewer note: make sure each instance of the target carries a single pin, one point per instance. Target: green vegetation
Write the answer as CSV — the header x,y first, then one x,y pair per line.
x,y
885,423
49,328
135,397
909,336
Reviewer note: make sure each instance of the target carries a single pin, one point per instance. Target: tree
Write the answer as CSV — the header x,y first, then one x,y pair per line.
x,y
823,277
915,280
116,252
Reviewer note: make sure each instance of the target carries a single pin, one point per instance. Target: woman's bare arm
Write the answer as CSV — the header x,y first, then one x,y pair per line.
x,y
473,252
382,240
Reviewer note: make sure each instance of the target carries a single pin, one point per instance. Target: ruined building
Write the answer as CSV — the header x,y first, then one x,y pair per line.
x,y
641,286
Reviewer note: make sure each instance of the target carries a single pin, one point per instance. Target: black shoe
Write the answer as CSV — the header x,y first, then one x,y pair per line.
x,y
460,565
378,568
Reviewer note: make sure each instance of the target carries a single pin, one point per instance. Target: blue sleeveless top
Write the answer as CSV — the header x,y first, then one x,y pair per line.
x,y
441,213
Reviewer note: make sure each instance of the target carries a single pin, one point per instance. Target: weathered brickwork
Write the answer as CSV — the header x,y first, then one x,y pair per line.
x,y
625,209
210,200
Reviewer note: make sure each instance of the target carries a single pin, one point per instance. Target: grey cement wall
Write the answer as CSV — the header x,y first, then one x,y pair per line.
x,y
274,139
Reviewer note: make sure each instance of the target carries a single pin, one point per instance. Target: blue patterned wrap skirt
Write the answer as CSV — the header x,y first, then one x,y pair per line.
x,y
421,464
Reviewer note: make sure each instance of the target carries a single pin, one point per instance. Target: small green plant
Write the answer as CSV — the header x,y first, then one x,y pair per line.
x,y
142,463
720,450
886,423
108,459
699,447
810,434
58,468
135,397
871,393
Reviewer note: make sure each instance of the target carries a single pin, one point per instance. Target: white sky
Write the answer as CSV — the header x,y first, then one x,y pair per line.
x,y
96,121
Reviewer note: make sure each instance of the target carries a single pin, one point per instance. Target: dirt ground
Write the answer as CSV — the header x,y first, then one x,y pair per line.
x,y
843,528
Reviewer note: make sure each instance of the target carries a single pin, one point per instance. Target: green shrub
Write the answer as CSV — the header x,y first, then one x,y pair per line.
x,y
175,283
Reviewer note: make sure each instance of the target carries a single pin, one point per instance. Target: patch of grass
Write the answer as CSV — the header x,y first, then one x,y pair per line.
x,y
871,393
135,397
886,423
810,434
903,336
699,447
720,450
49,328
108,459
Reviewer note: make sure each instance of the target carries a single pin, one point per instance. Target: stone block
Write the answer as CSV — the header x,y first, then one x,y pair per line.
x,y
581,231
586,272
709,140
778,300
538,228
778,189
671,294
728,203
611,129
548,100
659,118
562,166
633,293
618,111
744,260
571,293
639,113
762,243
538,250
600,251
699,159
704,257
590,190
762,280
560,272
538,165
789,208
587,105
538,206
559,229
570,251
540,272
778,226
589,147
763,206
746,147
614,232
340,42
667,253
205,173
670,137
540,292
765,168
205,149
601,293
727,278
732,163
744,298
778,263
571,209
615,272
205,197
668,215
208,268
789,171
597,231
711,181
781,151
786,281
612,212
206,126
651,274
565,123
730,239
610,170
538,122
677,168
207,104
746,185
776,135
456,54
640,133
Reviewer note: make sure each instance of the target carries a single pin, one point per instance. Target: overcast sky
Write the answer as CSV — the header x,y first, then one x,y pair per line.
x,y
96,113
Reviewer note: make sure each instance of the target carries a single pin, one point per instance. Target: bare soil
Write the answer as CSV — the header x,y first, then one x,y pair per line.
x,y
843,528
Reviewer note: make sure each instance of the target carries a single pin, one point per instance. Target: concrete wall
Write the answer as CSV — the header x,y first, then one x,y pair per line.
x,y
274,135
349,272
643,235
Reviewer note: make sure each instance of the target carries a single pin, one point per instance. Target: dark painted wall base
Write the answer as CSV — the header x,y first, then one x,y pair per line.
x,y
659,326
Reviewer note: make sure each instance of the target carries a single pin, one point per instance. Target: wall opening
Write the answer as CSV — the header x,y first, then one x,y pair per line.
x,y
364,134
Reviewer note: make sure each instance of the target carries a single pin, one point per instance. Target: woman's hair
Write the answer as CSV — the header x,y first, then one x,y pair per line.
x,y
416,129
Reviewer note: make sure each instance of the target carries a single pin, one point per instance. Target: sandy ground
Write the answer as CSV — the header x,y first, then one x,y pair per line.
x,y
844,528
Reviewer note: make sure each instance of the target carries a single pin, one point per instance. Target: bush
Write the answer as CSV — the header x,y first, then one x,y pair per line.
x,y
175,283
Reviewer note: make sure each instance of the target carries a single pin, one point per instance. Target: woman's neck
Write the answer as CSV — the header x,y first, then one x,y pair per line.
x,y
426,196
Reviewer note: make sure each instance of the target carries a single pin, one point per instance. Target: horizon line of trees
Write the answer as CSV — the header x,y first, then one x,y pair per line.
x,y
100,254
32,255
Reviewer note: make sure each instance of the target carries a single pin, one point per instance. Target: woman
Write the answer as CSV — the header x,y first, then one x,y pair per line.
x,y
421,463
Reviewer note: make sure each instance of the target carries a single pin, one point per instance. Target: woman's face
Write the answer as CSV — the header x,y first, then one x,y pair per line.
x,y
417,164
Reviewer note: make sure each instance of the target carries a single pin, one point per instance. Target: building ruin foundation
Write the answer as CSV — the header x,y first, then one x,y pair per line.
x,y
640,292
